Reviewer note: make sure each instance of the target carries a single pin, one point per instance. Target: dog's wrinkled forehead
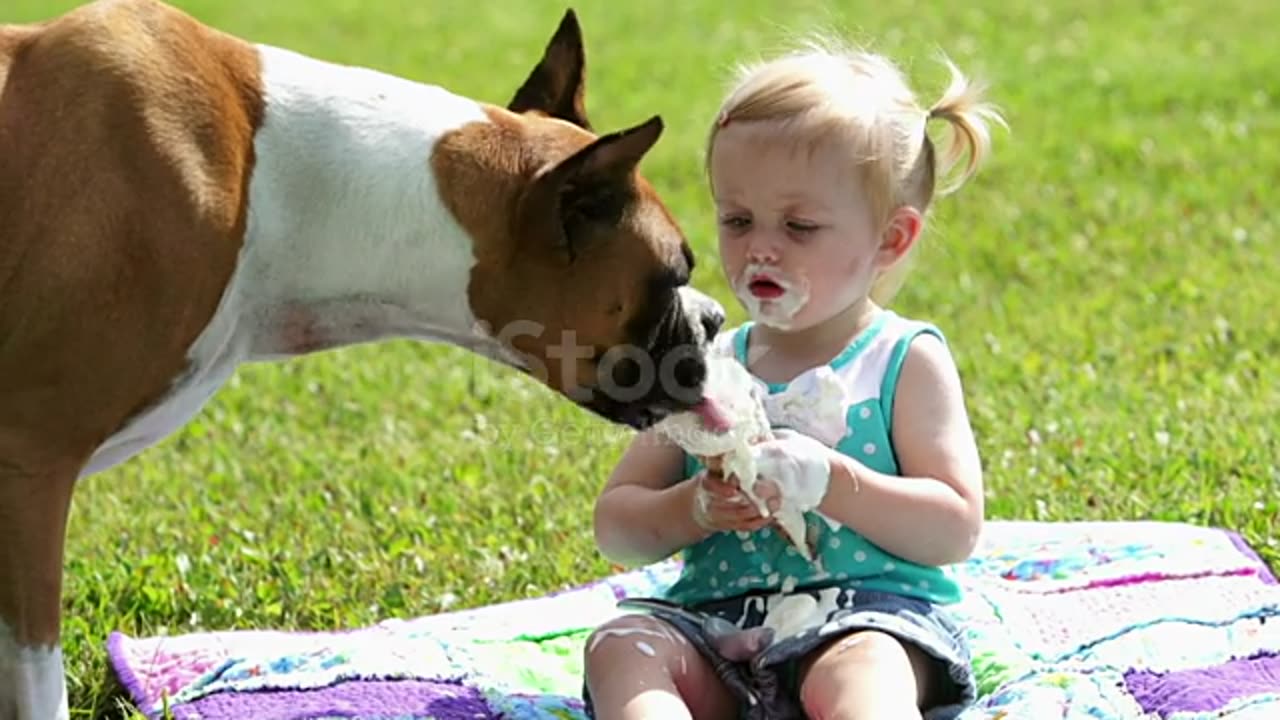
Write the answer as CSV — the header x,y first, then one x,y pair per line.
x,y
574,247
664,317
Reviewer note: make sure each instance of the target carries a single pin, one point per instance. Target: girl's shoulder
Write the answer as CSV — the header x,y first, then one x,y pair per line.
x,y
726,342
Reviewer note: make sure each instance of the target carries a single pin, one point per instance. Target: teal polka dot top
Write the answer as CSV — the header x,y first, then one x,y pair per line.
x,y
728,564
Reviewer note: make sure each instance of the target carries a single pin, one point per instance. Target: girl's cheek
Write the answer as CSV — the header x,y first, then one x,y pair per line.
x,y
730,258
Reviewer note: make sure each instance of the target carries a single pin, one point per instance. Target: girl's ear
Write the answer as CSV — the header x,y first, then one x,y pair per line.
x,y
900,235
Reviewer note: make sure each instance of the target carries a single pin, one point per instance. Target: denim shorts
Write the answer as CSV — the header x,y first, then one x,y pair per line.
x,y
767,685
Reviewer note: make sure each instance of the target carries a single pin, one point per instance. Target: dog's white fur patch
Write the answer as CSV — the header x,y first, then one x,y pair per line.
x,y
348,240
32,686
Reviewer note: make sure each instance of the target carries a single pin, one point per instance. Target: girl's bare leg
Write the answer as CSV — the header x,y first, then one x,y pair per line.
x,y
865,675
640,668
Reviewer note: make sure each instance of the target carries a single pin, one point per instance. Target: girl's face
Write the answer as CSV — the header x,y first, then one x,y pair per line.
x,y
798,242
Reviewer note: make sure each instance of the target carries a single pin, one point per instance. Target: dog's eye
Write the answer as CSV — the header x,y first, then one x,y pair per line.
x,y
588,214
597,207
593,201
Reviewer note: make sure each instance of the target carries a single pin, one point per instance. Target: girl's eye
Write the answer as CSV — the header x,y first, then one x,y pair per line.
x,y
735,222
801,227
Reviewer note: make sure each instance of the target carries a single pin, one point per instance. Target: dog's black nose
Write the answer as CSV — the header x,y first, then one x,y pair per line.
x,y
712,320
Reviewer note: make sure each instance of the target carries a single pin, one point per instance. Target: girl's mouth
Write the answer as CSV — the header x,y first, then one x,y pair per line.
x,y
765,288
771,296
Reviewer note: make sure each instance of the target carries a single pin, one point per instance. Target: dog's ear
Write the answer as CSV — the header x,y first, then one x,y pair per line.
x,y
590,190
557,85
609,158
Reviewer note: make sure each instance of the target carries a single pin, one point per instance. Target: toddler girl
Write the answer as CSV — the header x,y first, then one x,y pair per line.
x,y
822,172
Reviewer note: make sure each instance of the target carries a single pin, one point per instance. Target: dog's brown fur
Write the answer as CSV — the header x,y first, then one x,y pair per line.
x,y
126,148
126,139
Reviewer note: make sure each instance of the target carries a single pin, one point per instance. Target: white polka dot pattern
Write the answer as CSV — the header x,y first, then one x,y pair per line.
x,y
764,560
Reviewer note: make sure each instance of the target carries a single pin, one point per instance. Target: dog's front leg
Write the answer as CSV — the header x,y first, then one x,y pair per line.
x,y
33,515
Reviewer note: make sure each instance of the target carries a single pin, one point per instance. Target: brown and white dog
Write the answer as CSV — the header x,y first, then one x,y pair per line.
x,y
175,201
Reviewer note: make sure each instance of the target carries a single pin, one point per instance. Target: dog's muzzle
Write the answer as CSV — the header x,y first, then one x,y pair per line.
x,y
703,313
639,390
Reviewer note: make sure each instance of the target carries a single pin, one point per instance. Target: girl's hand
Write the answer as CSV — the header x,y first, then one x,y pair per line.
x,y
798,467
719,505
713,463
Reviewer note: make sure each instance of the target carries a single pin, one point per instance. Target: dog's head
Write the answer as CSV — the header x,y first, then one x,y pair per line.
x,y
581,272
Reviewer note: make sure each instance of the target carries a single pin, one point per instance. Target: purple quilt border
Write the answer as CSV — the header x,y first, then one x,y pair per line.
x,y
1268,577
1206,689
436,699
124,671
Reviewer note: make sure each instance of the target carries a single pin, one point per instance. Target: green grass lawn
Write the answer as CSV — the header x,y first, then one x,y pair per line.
x,y
1108,284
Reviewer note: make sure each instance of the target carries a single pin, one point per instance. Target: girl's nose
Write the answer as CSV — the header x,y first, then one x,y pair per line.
x,y
762,249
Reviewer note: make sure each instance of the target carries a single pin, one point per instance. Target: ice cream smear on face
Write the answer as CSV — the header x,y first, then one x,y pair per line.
x,y
769,296
728,422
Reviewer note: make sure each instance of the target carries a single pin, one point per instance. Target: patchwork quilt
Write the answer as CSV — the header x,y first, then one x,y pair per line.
x,y
1066,620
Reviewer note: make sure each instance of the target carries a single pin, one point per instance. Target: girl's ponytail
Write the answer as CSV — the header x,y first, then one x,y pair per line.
x,y
963,108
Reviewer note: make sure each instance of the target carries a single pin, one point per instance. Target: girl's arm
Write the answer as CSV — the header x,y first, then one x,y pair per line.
x,y
933,513
643,514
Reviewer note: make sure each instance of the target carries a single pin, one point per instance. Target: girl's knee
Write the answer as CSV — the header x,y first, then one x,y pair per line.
x,y
636,636
869,648
639,653
868,668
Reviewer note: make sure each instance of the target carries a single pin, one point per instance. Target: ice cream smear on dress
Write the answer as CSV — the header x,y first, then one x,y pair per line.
x,y
734,416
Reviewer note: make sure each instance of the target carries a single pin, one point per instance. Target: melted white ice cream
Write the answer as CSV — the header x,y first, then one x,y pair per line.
x,y
735,404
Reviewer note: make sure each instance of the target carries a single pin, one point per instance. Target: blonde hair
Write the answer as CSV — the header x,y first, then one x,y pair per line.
x,y
826,91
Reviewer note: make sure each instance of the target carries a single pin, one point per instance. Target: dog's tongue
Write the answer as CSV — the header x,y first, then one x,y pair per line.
x,y
712,415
